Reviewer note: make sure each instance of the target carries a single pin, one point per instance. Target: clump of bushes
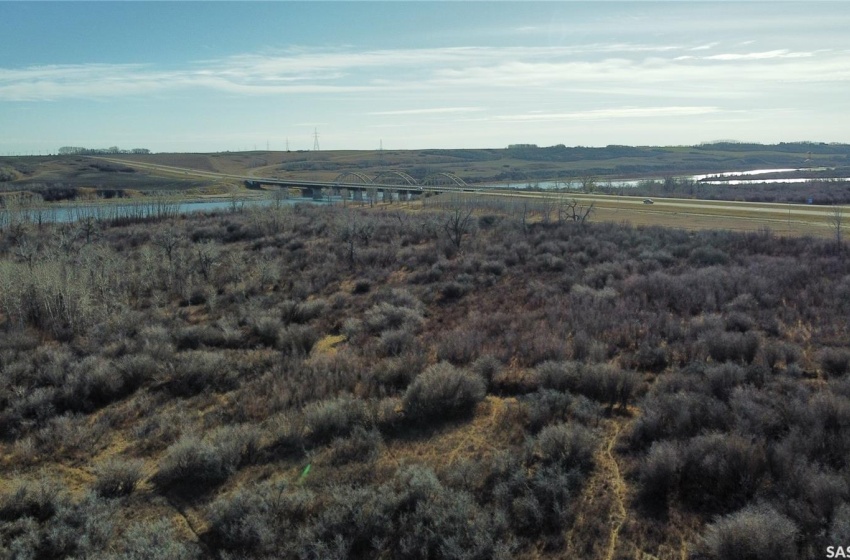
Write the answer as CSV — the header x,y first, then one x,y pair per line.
x,y
200,463
569,446
835,362
386,316
197,371
38,500
259,519
335,417
296,340
443,391
41,521
732,346
757,532
601,382
118,477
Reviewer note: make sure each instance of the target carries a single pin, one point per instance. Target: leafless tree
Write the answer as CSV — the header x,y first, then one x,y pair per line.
x,y
237,202
167,240
836,221
571,210
457,224
352,231
88,227
27,251
208,255
588,183
548,203
278,196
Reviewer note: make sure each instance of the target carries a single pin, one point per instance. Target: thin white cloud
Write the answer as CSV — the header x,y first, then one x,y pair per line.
x,y
452,71
613,113
436,110
780,53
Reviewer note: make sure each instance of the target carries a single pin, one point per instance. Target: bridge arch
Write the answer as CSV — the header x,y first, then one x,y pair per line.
x,y
352,177
396,177
442,179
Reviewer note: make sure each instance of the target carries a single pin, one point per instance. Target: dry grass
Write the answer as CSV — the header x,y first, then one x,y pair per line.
x,y
479,437
691,214
328,344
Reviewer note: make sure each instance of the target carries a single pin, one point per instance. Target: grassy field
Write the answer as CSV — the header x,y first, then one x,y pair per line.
x,y
783,219
686,214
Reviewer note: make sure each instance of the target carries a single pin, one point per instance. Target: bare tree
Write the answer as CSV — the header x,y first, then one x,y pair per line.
x,y
88,227
27,251
167,240
588,183
354,230
278,196
571,210
457,224
208,255
836,221
548,203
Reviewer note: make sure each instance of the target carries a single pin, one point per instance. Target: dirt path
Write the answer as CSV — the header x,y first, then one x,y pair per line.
x,y
192,522
596,532
618,488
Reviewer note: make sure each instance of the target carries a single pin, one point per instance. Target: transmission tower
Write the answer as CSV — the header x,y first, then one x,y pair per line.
x,y
315,140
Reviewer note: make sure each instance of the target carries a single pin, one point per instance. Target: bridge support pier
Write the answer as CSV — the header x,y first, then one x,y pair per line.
x,y
357,194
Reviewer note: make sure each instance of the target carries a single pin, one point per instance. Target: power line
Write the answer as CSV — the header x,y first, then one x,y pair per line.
x,y
315,140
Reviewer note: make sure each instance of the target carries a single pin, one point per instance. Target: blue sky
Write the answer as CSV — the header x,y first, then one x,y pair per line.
x,y
210,76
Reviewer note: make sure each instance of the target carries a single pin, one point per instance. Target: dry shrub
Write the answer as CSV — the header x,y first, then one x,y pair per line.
x,y
443,391
835,362
757,532
336,417
118,477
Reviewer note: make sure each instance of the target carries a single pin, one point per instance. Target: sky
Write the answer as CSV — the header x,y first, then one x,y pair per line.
x,y
215,76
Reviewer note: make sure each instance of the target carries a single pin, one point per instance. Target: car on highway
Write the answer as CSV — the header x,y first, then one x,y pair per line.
x,y
648,201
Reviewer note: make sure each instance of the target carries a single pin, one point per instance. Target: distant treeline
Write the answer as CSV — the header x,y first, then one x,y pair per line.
x,y
59,193
74,150
815,191
561,152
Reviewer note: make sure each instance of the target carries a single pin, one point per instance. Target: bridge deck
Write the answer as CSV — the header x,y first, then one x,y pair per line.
x,y
354,186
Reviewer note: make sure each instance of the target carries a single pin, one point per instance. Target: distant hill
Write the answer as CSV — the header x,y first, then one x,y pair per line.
x,y
517,163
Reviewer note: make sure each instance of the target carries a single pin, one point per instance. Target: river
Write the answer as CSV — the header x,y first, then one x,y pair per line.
x,y
137,210
706,179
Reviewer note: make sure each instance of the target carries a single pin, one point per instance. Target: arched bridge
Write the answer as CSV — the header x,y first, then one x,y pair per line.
x,y
387,181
